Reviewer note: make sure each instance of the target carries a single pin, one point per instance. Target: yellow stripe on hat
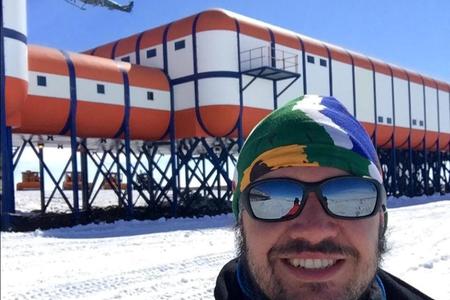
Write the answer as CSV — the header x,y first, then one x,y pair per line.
x,y
280,157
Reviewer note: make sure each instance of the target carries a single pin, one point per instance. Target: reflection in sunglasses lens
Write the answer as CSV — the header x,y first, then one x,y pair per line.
x,y
350,197
273,200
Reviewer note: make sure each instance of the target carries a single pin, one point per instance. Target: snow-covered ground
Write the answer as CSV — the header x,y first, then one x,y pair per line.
x,y
180,258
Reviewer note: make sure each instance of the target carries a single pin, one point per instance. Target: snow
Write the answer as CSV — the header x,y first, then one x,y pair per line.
x,y
180,258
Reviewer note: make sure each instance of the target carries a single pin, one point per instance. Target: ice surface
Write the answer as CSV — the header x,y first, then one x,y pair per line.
x,y
180,258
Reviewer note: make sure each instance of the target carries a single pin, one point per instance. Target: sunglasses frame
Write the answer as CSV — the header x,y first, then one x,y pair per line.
x,y
316,188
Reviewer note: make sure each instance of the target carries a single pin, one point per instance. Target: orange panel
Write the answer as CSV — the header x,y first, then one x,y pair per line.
x,y
417,137
186,124
369,127
181,28
147,78
315,47
401,137
43,59
104,51
44,115
254,30
399,73
215,20
126,45
384,135
15,94
285,39
429,82
444,141
148,124
96,68
250,117
152,37
219,119
89,51
361,61
98,119
414,77
381,68
431,138
340,55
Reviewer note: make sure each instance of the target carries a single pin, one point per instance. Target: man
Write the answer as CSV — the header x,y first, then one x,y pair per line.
x,y
311,210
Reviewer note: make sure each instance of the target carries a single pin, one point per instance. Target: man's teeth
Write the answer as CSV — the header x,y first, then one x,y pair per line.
x,y
311,263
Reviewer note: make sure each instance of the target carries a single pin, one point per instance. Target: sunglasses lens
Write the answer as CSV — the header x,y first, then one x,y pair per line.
x,y
272,200
350,197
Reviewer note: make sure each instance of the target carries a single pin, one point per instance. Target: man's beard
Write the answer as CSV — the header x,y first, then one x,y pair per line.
x,y
353,290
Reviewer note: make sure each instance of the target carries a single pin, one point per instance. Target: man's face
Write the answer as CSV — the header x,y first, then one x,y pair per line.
x,y
313,256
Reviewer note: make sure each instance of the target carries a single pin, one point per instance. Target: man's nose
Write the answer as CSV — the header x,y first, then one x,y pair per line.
x,y
313,223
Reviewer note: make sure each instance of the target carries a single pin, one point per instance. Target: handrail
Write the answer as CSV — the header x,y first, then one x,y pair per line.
x,y
262,57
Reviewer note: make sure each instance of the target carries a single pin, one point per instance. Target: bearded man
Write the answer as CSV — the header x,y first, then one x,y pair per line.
x,y
310,209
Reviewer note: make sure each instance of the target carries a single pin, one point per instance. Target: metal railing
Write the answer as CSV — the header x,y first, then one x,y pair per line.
x,y
263,56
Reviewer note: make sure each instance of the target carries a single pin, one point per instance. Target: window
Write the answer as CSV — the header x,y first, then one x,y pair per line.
x,y
179,45
421,123
310,59
389,120
151,53
100,88
150,96
126,58
380,119
414,122
323,62
41,80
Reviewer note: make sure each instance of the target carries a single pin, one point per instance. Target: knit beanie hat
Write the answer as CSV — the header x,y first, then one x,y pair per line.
x,y
308,131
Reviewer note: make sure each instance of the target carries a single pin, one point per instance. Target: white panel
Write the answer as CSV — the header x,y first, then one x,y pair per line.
x,y
131,55
184,96
217,51
58,86
217,91
138,98
259,54
365,104
417,110
181,62
431,108
384,98
317,76
294,91
155,61
289,59
16,59
87,91
401,102
15,15
444,111
259,94
343,84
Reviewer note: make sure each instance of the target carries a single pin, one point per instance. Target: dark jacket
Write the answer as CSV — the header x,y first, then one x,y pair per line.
x,y
227,286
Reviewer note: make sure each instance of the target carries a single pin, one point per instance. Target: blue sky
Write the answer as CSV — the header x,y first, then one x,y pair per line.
x,y
414,34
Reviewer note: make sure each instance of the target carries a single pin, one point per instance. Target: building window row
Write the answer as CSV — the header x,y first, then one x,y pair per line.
x,y
42,81
311,59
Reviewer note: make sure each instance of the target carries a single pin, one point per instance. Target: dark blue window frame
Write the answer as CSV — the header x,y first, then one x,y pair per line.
x,y
150,96
126,59
100,88
180,45
323,62
151,53
41,80
310,59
